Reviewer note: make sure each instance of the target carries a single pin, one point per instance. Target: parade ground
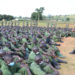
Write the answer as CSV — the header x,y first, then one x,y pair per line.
x,y
65,48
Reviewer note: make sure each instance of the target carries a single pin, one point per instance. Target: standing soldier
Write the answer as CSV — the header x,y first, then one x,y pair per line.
x,y
15,22
23,24
18,23
5,23
31,23
11,23
36,23
2,23
48,25
27,24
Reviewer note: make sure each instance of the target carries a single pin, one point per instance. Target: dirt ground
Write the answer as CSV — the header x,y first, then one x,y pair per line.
x,y
65,48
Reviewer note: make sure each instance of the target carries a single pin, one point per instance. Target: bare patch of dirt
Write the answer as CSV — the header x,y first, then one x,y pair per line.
x,y
65,48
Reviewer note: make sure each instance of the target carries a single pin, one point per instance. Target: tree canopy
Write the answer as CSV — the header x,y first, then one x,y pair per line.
x,y
38,14
6,17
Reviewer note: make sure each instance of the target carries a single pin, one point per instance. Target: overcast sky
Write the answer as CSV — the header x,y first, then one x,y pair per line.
x,y
26,7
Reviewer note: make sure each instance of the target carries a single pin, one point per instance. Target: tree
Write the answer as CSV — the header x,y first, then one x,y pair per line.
x,y
41,9
40,12
6,17
67,25
38,15
34,16
67,19
1,17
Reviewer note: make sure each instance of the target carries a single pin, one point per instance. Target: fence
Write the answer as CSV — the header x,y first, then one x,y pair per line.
x,y
43,23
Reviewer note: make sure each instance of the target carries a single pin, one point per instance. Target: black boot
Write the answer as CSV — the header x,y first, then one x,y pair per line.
x,y
57,67
61,41
55,64
57,44
61,61
73,52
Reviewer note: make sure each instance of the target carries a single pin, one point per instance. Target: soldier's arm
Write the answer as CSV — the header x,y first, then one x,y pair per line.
x,y
28,70
9,52
17,49
52,67
36,70
44,53
20,48
19,59
54,43
13,47
26,66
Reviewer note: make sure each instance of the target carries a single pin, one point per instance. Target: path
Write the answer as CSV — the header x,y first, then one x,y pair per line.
x,y
65,48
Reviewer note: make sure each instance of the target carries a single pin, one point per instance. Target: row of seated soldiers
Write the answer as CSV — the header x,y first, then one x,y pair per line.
x,y
31,50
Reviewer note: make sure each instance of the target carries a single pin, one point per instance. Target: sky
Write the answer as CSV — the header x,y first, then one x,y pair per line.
x,y
24,8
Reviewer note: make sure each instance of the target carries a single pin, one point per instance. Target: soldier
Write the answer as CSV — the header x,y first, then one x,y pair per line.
x,y
50,54
39,67
33,54
15,66
3,67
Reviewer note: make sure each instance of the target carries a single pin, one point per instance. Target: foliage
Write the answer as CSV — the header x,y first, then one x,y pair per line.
x,y
67,19
6,17
34,16
38,15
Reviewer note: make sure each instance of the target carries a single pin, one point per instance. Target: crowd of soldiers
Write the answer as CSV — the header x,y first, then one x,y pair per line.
x,y
31,50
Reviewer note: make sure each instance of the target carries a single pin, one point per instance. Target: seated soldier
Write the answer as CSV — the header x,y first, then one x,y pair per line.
x,y
39,67
50,54
57,52
16,66
20,50
2,38
7,47
50,41
33,54
3,65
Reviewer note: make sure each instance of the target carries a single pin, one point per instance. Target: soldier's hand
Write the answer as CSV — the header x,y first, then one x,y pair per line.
x,y
47,60
53,53
9,52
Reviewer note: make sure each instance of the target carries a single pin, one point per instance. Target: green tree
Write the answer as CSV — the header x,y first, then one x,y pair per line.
x,y
6,17
1,17
67,25
34,16
38,15
67,19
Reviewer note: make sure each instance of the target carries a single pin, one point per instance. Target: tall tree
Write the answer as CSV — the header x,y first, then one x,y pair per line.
x,y
34,16
67,25
6,17
38,15
40,12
